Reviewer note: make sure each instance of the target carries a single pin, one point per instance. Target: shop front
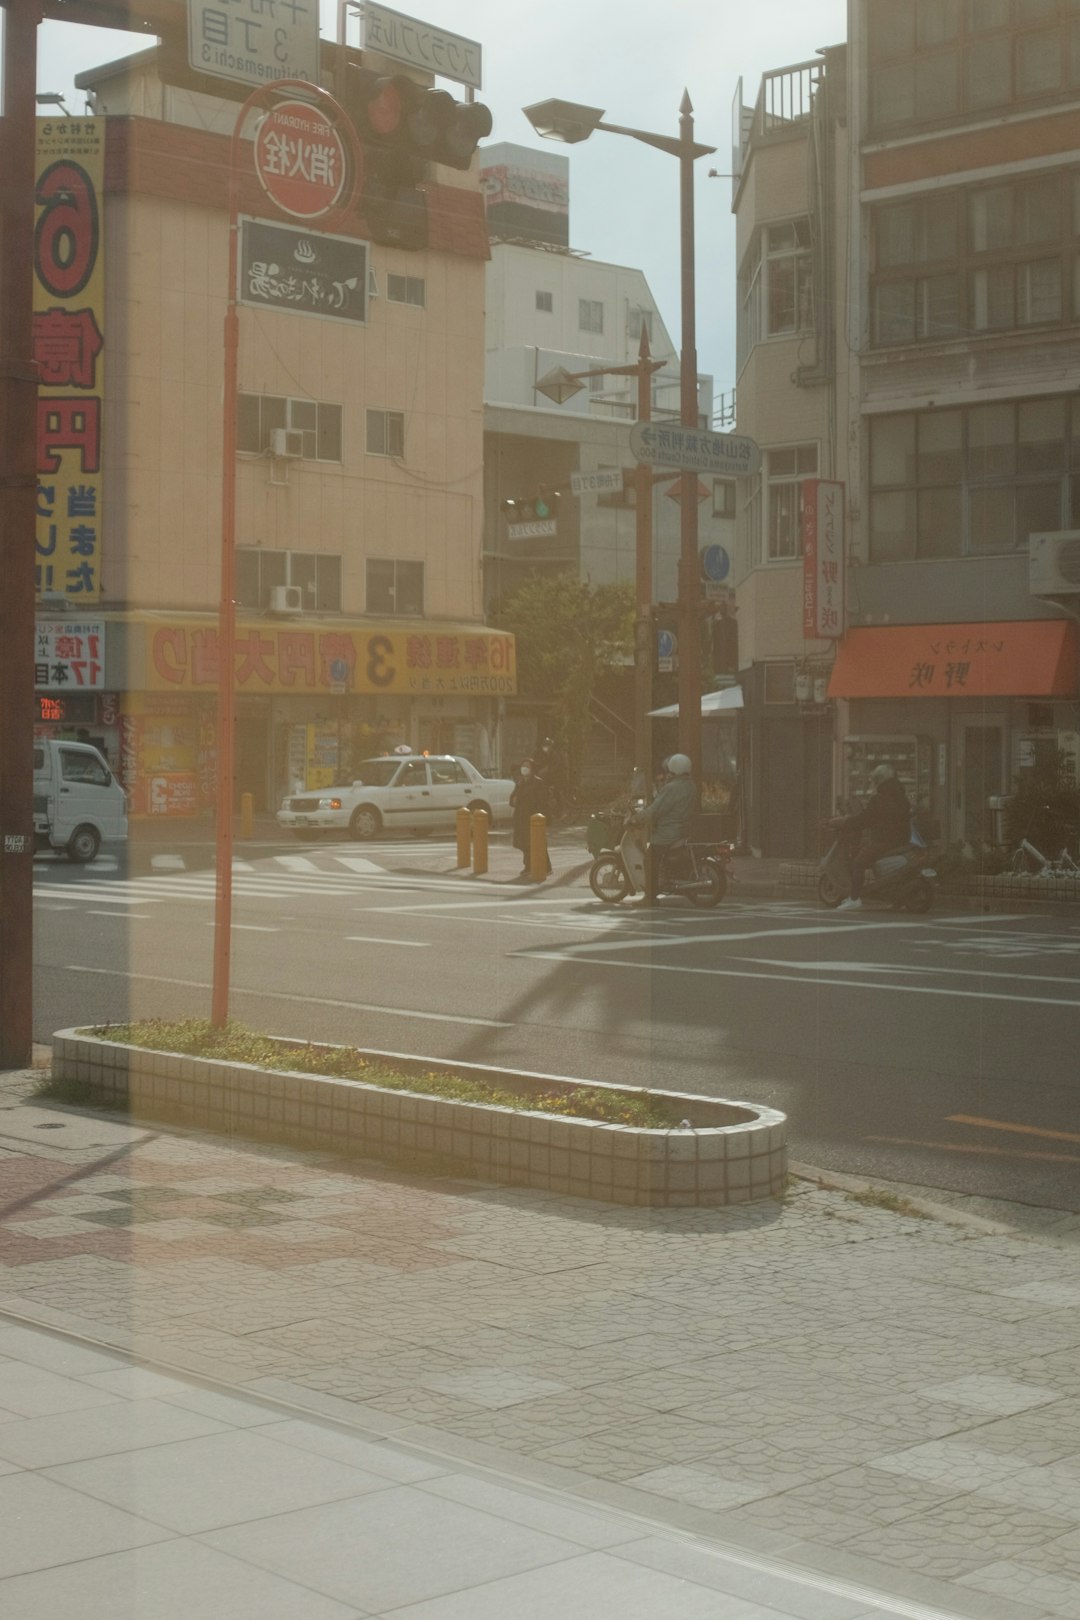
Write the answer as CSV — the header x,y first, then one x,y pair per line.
x,y
961,711
72,701
313,698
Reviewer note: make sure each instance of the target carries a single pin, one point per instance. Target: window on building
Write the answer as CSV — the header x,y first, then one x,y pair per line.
x,y
590,315
985,259
723,497
972,482
395,587
259,571
545,302
638,317
405,290
386,433
932,59
785,470
776,297
257,415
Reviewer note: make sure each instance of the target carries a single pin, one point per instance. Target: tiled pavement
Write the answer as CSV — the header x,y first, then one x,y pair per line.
x,y
885,1401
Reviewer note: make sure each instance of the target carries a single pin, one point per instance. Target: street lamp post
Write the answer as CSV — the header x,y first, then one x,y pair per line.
x,y
561,385
570,122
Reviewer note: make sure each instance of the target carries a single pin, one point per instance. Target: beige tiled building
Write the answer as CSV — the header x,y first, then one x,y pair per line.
x,y
359,475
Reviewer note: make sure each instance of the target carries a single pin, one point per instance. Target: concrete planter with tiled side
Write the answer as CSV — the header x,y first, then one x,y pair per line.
x,y
732,1153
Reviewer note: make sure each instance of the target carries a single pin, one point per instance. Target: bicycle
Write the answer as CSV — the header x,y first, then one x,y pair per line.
x,y
1061,865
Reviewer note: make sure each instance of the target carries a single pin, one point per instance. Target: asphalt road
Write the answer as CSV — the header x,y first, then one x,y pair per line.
x,y
940,1051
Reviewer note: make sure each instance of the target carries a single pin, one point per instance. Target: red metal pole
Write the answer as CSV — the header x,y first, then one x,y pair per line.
x,y
226,728
18,505
689,565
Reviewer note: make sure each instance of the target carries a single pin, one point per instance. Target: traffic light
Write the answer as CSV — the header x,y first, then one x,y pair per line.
x,y
532,508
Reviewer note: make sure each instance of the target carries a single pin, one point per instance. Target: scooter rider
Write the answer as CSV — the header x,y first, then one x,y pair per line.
x,y
667,816
887,818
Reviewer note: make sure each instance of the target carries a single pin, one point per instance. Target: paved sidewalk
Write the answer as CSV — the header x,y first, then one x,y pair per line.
x,y
879,1402
144,1496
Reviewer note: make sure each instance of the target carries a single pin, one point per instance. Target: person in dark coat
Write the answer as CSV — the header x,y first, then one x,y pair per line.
x,y
531,797
887,821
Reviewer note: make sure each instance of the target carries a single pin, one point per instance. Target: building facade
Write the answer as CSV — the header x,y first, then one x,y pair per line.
x,y
359,470
551,309
926,181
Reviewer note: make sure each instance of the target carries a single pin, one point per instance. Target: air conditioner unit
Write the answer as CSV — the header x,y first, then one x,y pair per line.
x,y
287,442
287,599
1054,563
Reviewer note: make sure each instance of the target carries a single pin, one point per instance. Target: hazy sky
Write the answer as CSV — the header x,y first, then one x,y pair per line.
x,y
633,59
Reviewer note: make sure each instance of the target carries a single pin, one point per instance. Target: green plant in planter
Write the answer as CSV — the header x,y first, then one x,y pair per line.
x,y
232,1043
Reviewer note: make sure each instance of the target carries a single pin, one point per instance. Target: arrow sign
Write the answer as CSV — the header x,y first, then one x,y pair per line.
x,y
694,449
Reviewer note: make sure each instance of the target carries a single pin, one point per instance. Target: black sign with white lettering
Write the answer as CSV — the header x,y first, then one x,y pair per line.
x,y
282,267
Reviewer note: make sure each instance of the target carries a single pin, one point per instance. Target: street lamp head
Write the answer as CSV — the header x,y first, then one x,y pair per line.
x,y
566,121
559,385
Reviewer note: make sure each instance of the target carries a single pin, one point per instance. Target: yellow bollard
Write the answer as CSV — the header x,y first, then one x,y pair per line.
x,y
480,842
247,815
539,864
464,836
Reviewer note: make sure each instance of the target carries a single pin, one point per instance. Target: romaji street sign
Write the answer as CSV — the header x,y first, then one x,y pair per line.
x,y
604,481
254,42
694,449
300,160
823,558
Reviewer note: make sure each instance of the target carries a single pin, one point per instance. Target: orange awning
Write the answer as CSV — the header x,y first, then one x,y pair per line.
x,y
1018,658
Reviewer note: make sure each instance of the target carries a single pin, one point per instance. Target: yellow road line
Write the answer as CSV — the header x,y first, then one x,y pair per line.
x,y
1022,1130
974,1147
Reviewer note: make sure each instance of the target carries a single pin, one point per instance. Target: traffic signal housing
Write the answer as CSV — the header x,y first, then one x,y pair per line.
x,y
403,126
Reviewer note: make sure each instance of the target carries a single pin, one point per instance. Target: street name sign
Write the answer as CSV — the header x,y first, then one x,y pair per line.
x,y
694,449
254,43
606,482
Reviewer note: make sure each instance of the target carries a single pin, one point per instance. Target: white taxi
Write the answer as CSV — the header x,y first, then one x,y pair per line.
x,y
415,793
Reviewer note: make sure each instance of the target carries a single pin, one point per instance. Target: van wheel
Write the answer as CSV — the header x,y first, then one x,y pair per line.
x,y
83,845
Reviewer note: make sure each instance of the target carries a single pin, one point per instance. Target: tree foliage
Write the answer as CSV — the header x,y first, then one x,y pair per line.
x,y
569,635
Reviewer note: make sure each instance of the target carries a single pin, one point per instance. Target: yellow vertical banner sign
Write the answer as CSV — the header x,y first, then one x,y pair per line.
x,y
69,342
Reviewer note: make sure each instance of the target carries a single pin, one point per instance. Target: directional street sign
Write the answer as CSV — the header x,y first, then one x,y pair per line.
x,y
694,449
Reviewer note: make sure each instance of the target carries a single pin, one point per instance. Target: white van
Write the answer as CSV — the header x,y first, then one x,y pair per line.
x,y
78,802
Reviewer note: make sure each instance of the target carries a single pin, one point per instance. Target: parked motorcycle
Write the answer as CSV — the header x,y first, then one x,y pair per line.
x,y
698,868
904,878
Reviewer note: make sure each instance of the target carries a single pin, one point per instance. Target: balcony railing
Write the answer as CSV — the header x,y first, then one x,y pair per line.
x,y
784,105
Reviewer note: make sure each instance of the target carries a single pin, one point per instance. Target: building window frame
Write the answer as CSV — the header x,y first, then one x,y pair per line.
x,y
545,302
1014,263
384,433
1005,475
785,467
405,289
776,286
319,421
591,316
260,569
394,587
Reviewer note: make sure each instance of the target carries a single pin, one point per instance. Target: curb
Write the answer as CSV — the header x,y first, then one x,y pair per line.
x,y
1002,1218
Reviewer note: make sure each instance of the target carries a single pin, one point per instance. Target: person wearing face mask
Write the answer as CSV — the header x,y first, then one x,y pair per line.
x,y
530,798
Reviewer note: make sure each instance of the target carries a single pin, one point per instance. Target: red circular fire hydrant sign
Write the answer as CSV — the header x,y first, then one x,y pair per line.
x,y
300,160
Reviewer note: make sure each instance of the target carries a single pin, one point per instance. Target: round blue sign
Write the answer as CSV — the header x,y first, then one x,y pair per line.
x,y
715,564
665,643
339,670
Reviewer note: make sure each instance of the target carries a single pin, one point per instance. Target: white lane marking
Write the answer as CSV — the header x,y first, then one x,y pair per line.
x,y
754,933
576,954
119,916
373,939
168,863
889,967
311,1001
46,906
249,928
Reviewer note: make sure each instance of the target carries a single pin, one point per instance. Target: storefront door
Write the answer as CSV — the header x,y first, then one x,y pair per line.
x,y
981,774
